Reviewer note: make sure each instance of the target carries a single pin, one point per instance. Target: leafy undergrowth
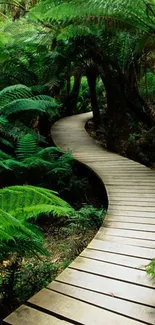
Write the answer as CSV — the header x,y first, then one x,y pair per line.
x,y
150,269
133,141
65,238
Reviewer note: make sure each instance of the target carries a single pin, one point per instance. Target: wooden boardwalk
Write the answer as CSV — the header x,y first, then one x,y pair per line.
x,y
106,284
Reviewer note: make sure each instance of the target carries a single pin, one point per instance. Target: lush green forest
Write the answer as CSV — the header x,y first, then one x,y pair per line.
x,y
60,58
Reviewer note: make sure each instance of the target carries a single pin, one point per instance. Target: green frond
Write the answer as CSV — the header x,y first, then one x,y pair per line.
x,y
16,197
4,155
35,162
51,153
10,164
15,130
12,93
3,120
73,31
18,204
6,142
149,80
26,147
38,89
116,11
21,105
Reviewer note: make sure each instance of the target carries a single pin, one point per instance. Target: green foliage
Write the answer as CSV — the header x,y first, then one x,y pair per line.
x,y
114,12
18,204
150,269
33,162
34,104
87,217
19,98
28,278
26,147
147,86
19,109
12,93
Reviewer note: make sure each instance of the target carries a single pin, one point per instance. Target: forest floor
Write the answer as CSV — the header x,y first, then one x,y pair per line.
x,y
64,241
131,144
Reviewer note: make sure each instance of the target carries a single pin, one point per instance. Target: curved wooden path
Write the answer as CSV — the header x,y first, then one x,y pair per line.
x,y
106,284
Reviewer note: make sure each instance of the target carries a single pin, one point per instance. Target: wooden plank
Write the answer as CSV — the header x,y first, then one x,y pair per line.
x,y
134,203
131,189
112,271
115,288
136,183
132,198
25,315
132,208
130,213
130,261
78,311
128,179
125,240
130,226
131,192
137,220
118,248
125,308
128,233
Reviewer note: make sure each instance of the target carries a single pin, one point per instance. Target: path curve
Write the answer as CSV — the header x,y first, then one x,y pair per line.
x,y
106,284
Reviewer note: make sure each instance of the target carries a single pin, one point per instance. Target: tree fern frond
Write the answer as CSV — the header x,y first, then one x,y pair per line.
x,y
17,129
51,153
73,31
128,12
26,147
12,93
17,205
35,162
14,197
21,105
6,142
3,120
44,97
11,164
38,89
4,155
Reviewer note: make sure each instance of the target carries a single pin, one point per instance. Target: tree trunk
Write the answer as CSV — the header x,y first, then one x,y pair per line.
x,y
124,105
72,99
91,78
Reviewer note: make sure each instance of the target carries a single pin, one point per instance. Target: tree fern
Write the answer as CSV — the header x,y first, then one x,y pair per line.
x,y
12,93
116,11
21,105
19,204
26,147
16,129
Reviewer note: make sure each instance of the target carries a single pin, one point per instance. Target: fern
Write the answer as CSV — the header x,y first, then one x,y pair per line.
x,y
12,93
19,204
26,147
88,217
15,130
115,11
150,269
3,155
3,120
21,105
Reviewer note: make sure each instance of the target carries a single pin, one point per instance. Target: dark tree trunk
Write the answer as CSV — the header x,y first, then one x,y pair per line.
x,y
92,77
124,102
68,80
72,98
75,92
